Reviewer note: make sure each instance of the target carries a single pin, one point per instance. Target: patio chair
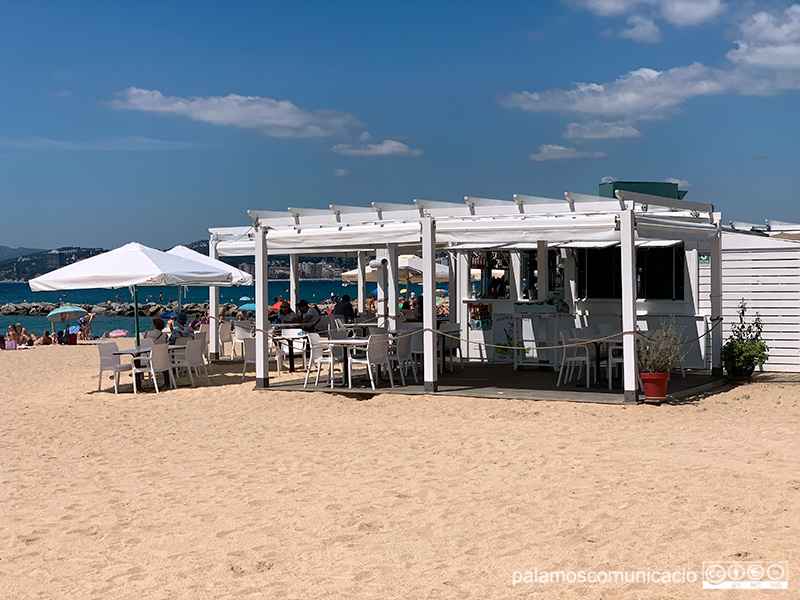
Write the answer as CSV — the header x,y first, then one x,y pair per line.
x,y
377,356
109,362
451,344
294,338
572,356
195,358
156,362
179,358
241,331
202,336
225,336
322,354
400,353
274,353
337,322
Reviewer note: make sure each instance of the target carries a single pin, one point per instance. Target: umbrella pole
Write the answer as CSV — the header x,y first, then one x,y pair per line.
x,y
136,310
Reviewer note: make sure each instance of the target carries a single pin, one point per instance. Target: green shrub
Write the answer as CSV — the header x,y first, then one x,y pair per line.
x,y
744,350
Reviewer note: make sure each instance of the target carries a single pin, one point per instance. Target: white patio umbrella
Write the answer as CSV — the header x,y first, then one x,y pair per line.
x,y
409,268
237,277
131,265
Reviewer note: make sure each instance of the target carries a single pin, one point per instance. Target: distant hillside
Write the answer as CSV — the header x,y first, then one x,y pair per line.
x,y
6,252
25,268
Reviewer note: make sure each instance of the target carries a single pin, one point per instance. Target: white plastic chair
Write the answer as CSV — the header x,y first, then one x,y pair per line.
x,y
572,356
156,362
194,357
295,337
180,357
241,331
225,337
400,353
109,362
321,354
274,353
377,356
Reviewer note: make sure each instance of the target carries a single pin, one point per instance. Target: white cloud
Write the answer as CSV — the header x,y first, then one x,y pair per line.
x,y
601,130
686,13
364,136
681,182
275,118
682,13
644,94
118,144
340,173
642,30
385,148
556,152
770,41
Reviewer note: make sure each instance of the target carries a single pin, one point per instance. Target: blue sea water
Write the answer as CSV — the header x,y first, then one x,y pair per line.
x,y
311,290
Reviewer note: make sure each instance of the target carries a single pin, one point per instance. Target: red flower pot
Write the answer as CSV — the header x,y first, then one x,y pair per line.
x,y
655,385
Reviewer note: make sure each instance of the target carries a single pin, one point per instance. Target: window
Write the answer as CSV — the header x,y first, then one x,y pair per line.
x,y
659,273
530,274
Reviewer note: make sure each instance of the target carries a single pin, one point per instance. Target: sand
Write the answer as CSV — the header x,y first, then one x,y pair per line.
x,y
227,492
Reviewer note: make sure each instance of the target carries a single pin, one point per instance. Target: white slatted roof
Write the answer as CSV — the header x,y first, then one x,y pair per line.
x,y
475,223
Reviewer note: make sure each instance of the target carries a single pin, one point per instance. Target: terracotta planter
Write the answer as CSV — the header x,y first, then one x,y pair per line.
x,y
655,385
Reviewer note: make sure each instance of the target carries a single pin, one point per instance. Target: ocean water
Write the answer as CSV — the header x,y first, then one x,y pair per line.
x,y
311,290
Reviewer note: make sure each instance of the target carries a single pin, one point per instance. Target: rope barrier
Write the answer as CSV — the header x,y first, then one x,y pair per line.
x,y
716,320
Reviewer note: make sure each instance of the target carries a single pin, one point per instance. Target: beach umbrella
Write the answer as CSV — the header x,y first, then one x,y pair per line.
x,y
66,313
277,305
248,306
170,314
131,265
409,268
245,299
237,277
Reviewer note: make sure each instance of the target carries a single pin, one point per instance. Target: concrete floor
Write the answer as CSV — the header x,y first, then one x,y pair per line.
x,y
496,380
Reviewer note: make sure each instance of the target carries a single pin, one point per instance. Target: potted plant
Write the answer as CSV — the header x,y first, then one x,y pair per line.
x,y
744,350
657,355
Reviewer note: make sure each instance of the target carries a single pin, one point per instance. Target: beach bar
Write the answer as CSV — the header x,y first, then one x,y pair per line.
x,y
531,266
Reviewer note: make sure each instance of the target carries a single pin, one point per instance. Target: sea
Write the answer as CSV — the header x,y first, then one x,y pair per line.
x,y
313,290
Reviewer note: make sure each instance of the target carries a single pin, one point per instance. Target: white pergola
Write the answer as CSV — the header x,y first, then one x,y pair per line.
x,y
428,227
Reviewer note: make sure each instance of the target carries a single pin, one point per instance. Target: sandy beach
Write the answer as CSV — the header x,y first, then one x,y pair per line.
x,y
226,492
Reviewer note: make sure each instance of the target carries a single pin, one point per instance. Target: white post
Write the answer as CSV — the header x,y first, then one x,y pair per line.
x,y
716,305
430,343
542,268
515,276
294,280
380,276
626,239
457,297
213,308
362,281
262,310
452,285
392,280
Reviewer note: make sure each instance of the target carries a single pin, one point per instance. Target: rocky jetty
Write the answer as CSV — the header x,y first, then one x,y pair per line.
x,y
109,309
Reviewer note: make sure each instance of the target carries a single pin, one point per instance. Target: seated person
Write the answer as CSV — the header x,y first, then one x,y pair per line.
x,y
23,335
417,310
45,340
181,330
60,341
371,305
344,308
2,342
156,333
285,313
307,316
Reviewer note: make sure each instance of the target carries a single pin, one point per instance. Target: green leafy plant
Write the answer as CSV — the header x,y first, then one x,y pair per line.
x,y
744,350
662,351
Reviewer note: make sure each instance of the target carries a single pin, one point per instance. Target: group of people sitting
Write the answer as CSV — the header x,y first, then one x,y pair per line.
x,y
307,316
161,334
19,337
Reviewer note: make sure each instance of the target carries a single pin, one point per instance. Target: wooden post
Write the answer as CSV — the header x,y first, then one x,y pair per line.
x,y
362,281
716,305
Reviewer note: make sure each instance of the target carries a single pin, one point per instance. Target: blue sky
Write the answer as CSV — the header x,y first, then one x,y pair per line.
x,y
152,121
